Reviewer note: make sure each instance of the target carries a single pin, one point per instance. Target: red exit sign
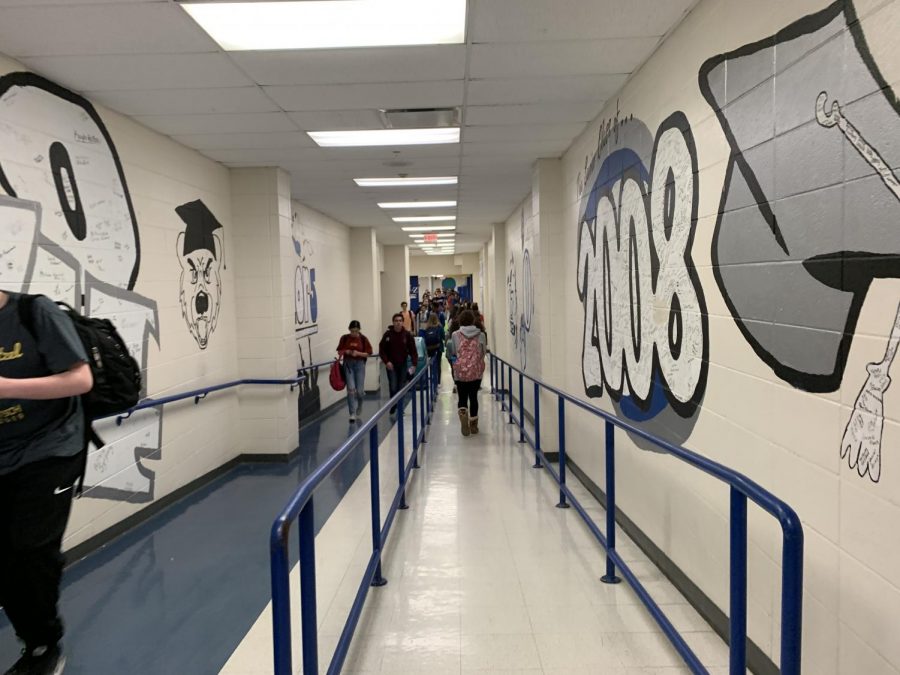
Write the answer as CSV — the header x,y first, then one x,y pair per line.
x,y
431,238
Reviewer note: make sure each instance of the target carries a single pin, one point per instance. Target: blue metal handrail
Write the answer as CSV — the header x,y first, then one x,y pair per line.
x,y
742,488
200,394
300,507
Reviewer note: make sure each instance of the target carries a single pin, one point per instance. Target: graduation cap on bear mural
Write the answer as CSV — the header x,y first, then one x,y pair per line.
x,y
200,224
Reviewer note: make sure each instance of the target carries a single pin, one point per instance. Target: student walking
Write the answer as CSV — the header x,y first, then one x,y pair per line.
x,y
43,371
467,347
354,348
396,344
434,337
409,319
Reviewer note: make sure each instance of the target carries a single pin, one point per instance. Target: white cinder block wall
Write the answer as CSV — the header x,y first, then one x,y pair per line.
x,y
764,365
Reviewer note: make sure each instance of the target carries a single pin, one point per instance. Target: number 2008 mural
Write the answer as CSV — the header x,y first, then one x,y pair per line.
x,y
794,252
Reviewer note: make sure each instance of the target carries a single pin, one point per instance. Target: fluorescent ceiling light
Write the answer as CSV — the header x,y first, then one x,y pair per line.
x,y
441,235
422,219
241,26
372,137
405,182
416,205
428,228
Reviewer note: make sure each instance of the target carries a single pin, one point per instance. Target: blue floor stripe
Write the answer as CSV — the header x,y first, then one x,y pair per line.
x,y
179,593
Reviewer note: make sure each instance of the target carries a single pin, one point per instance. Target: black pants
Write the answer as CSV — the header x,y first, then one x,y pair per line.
x,y
35,501
468,396
397,378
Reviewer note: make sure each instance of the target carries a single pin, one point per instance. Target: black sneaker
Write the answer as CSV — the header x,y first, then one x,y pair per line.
x,y
39,661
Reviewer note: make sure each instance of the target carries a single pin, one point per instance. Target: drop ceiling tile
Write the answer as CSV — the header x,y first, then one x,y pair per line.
x,y
533,113
435,94
536,89
354,66
551,59
321,120
523,132
533,149
185,102
139,72
517,20
230,123
279,139
146,28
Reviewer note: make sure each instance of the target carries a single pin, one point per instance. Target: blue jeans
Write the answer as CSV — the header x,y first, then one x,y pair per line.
x,y
355,376
397,378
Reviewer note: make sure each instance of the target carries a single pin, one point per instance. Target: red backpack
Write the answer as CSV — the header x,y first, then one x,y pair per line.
x,y
336,376
469,364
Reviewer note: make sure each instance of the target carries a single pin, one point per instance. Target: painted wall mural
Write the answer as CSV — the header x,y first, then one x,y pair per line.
x,y
69,231
645,335
520,295
306,313
810,206
200,253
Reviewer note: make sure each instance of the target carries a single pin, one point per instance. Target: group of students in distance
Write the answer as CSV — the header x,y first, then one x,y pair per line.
x,y
465,349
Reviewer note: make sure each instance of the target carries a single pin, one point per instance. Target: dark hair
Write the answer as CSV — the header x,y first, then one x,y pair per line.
x,y
398,315
466,318
353,324
474,306
403,302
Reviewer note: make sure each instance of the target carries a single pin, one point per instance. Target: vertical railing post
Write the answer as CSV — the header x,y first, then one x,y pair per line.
x,y
738,587
502,385
493,383
375,482
791,596
414,404
537,427
610,576
281,607
401,454
422,388
511,417
561,413
308,625
521,408
428,375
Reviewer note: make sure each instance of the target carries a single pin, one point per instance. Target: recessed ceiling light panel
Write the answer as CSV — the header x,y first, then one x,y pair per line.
x,y
418,205
406,182
422,219
317,24
372,137
427,228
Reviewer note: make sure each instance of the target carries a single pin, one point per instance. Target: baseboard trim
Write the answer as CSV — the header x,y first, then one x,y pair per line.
x,y
757,660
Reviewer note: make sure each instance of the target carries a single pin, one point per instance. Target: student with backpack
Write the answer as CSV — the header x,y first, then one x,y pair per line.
x,y
434,337
355,349
466,348
43,440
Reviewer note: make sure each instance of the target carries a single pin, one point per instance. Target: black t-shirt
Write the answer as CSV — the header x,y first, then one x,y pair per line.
x,y
33,430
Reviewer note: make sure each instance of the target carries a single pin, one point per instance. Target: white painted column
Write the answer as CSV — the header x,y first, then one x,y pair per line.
x,y
264,274
365,293
394,281
547,208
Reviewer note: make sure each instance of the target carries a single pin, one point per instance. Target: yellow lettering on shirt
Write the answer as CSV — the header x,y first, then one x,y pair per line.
x,y
11,414
15,353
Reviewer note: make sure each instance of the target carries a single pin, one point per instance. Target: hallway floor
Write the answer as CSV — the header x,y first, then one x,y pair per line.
x,y
484,574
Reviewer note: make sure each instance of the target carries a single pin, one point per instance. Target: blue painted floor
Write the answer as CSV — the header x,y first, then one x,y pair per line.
x,y
178,593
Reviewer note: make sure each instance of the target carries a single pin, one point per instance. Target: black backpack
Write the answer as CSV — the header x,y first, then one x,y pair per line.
x,y
117,376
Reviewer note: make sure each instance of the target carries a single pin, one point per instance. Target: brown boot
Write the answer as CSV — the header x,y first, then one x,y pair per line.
x,y
473,425
464,421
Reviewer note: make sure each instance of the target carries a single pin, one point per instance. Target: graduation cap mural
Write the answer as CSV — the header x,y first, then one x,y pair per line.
x,y
200,254
810,207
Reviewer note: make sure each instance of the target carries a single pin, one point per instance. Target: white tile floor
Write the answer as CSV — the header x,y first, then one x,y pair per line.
x,y
484,574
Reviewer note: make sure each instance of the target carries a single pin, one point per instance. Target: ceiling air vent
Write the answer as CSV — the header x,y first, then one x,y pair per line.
x,y
420,118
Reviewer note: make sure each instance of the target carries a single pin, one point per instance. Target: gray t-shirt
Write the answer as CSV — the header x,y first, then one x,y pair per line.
x,y
35,430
